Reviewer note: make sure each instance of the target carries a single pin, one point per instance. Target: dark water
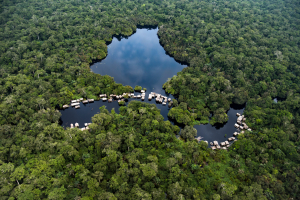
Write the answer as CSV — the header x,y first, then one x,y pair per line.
x,y
218,132
141,60
86,111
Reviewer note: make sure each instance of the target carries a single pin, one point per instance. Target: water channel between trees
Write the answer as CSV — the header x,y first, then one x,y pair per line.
x,y
141,60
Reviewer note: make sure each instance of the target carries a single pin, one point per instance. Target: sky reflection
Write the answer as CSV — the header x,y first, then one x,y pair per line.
x,y
138,60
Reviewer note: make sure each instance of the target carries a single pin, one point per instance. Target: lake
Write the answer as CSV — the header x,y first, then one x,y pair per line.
x,y
141,60
135,60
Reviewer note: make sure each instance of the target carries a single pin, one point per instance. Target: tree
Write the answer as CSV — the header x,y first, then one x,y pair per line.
x,y
170,162
11,99
174,190
149,169
41,102
18,174
226,189
57,193
188,133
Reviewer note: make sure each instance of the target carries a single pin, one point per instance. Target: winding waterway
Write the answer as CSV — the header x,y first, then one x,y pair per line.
x,y
141,60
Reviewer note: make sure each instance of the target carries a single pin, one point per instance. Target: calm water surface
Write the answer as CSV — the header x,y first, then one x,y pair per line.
x,y
218,132
135,60
141,60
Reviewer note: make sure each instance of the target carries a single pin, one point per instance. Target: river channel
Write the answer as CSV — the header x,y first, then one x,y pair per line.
x,y
141,60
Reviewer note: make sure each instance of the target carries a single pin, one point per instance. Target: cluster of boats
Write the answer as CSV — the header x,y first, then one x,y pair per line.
x,y
223,145
86,126
240,125
160,98
76,103
122,97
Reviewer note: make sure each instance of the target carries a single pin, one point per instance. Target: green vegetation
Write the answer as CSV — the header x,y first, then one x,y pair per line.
x,y
131,155
237,51
138,88
121,103
182,115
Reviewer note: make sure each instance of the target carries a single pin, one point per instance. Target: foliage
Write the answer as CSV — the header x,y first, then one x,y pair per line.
x,y
237,52
138,88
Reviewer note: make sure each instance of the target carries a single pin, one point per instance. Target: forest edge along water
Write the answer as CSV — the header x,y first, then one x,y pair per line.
x,y
140,59
237,52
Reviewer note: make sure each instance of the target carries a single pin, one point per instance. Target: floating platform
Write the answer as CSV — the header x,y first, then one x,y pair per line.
x,y
75,104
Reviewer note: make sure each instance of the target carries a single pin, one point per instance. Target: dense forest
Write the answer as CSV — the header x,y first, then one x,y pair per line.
x,y
237,51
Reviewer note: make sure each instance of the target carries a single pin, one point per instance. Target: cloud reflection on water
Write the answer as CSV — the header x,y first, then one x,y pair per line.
x,y
138,60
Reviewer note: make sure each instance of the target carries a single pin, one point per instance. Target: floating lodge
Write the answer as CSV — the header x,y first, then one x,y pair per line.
x,y
86,126
112,97
240,125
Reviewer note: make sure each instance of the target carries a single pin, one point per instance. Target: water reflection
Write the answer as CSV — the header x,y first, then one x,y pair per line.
x,y
135,60
138,60
141,60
